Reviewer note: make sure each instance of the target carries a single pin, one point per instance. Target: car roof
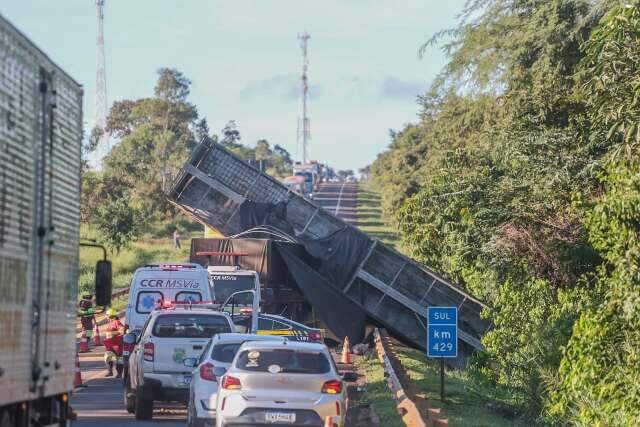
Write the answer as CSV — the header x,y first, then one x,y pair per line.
x,y
237,337
171,266
185,310
291,345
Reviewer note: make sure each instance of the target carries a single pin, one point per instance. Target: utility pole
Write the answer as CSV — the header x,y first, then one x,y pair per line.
x,y
101,81
304,131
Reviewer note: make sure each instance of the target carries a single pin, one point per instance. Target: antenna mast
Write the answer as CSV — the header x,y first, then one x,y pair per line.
x,y
304,131
101,80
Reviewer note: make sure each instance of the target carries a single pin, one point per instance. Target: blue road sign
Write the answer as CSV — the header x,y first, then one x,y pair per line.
x,y
442,332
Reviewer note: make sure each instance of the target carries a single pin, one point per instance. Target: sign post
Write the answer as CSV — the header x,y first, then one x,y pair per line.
x,y
442,336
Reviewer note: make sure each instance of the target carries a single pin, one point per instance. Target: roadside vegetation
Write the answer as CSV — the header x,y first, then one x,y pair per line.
x,y
148,249
521,183
370,219
467,402
470,400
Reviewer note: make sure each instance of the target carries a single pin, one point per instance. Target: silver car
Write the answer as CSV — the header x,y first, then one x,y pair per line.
x,y
281,383
209,368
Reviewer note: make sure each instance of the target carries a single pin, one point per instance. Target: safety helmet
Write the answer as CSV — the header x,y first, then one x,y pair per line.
x,y
111,312
87,295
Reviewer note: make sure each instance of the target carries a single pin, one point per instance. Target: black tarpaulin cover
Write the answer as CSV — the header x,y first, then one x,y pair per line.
x,y
338,255
342,316
253,214
321,271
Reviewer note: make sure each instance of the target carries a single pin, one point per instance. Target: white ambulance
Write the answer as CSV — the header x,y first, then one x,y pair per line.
x,y
154,284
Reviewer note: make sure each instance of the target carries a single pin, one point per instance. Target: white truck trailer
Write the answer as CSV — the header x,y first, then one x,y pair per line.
x,y
40,143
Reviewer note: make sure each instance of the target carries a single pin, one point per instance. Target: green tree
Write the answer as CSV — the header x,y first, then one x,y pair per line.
x,y
601,364
481,187
115,213
156,139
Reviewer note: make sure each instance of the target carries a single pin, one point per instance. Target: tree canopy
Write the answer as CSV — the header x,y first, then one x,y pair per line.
x,y
519,182
156,136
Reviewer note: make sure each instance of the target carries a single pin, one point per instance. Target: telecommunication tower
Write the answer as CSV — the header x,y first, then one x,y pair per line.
x,y
101,81
304,131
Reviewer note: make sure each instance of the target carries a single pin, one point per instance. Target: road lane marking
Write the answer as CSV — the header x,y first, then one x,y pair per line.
x,y
340,197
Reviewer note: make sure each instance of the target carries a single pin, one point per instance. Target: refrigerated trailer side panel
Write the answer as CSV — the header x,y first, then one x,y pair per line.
x,y
40,143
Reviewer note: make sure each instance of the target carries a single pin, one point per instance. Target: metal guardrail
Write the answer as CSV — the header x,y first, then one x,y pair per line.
x,y
121,292
396,377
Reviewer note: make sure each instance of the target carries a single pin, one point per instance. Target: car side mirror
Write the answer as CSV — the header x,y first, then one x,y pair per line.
x,y
130,338
350,377
190,362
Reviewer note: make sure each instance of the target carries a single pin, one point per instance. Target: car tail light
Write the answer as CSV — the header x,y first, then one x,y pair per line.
x,y
149,351
315,336
206,372
332,387
231,383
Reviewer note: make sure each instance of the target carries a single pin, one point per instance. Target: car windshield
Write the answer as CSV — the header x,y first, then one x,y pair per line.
x,y
224,285
283,361
190,326
225,352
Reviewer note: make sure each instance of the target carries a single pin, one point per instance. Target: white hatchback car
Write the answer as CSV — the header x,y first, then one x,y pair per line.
x,y
211,365
281,383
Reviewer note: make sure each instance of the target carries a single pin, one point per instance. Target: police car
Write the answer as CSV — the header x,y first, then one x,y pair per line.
x,y
271,324
172,333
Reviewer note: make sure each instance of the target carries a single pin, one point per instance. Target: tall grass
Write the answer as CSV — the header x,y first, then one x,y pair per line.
x,y
146,250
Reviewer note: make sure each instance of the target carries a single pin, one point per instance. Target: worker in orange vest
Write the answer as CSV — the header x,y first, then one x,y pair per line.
x,y
113,344
85,311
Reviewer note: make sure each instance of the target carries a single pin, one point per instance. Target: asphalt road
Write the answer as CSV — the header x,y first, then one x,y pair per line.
x,y
100,403
340,199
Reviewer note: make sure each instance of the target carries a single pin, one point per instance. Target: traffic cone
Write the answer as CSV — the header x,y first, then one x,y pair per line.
x,y
77,382
84,345
97,340
346,351
328,421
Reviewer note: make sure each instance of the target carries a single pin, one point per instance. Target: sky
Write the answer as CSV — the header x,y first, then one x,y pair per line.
x,y
244,60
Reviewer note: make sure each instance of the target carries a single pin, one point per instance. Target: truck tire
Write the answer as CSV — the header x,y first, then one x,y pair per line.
x,y
143,406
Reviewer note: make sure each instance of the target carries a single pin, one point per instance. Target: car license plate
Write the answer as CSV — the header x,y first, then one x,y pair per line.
x,y
280,417
186,379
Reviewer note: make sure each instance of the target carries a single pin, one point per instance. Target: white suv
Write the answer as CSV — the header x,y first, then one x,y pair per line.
x,y
211,366
156,365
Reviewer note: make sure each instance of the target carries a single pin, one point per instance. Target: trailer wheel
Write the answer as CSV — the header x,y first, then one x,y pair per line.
x,y
143,406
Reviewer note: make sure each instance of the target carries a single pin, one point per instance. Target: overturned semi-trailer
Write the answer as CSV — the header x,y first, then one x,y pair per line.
x,y
223,192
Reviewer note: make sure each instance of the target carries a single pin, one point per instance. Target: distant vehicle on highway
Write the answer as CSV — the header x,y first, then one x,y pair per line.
x,y
282,383
156,365
271,324
209,367
155,283
295,183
